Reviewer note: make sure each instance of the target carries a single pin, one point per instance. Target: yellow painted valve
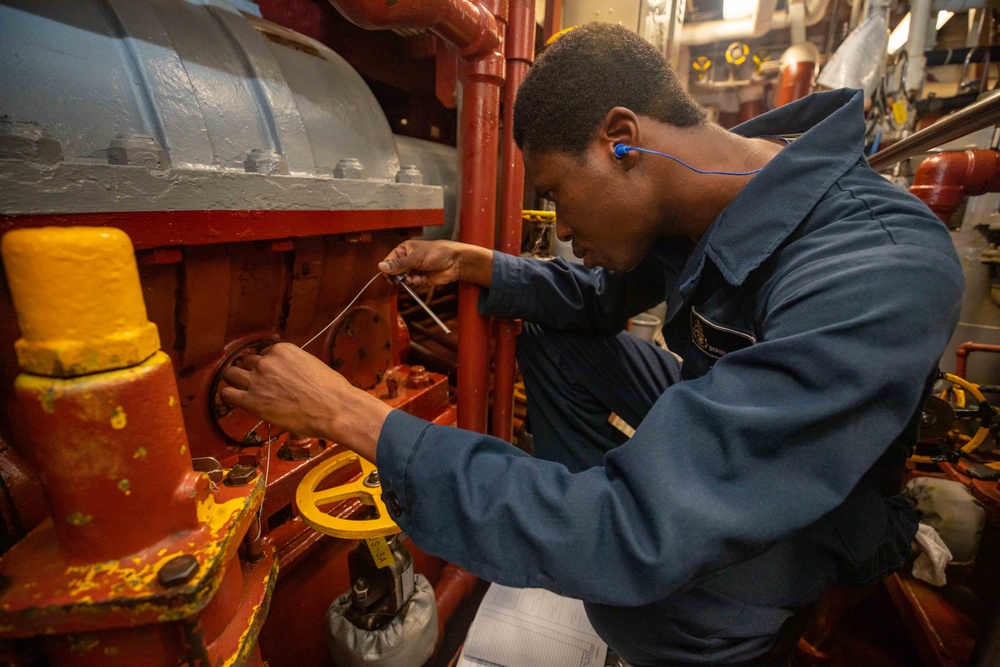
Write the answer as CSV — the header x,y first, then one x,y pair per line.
x,y
737,53
310,501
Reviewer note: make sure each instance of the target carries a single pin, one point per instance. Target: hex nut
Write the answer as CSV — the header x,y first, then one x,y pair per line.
x,y
349,167
241,475
372,481
177,571
27,140
137,150
409,173
418,378
265,161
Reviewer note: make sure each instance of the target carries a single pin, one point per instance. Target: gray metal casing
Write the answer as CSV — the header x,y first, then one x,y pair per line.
x,y
215,88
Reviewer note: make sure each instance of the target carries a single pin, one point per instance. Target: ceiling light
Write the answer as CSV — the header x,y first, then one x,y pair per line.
x,y
738,9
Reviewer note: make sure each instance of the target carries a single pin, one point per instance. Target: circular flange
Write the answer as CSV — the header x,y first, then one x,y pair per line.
x,y
236,423
361,347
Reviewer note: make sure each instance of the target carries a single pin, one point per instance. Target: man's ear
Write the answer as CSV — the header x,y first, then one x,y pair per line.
x,y
620,126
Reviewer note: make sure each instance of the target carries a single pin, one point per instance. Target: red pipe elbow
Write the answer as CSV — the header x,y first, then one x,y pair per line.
x,y
944,179
465,24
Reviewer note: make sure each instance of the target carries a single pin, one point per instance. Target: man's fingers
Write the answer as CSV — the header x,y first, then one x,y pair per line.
x,y
250,361
394,265
237,377
237,398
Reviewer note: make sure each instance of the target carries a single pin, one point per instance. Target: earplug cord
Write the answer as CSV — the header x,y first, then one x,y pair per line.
x,y
621,150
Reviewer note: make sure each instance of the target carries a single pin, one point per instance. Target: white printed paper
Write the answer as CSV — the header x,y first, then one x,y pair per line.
x,y
528,627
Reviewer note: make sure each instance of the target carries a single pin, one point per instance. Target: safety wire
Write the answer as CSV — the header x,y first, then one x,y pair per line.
x,y
267,453
318,334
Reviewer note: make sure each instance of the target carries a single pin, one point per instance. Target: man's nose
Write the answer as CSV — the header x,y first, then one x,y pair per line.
x,y
563,232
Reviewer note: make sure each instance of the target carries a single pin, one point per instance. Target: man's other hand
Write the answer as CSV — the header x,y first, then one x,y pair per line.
x,y
439,263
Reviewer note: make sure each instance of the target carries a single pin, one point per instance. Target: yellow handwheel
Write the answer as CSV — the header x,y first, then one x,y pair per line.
x,y
366,489
737,53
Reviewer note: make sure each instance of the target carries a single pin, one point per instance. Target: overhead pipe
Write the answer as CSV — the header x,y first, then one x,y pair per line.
x,y
520,49
984,113
758,25
916,45
465,24
943,180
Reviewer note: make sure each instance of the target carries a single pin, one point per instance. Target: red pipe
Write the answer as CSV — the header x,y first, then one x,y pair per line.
x,y
465,24
945,178
482,78
553,20
965,349
477,30
452,587
520,48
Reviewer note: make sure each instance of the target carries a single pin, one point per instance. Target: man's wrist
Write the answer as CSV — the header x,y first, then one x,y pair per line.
x,y
357,426
475,265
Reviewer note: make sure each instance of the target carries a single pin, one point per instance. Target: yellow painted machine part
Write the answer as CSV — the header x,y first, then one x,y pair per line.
x,y
78,300
981,433
310,501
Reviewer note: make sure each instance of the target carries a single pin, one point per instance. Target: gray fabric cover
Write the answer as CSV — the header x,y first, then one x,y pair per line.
x,y
406,642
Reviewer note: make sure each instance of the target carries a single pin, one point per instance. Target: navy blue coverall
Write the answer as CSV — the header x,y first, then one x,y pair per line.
x,y
809,317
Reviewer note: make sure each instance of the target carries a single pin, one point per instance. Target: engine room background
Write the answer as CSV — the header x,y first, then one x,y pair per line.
x,y
262,157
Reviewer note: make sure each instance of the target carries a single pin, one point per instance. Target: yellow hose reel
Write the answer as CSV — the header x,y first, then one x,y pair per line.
x,y
310,500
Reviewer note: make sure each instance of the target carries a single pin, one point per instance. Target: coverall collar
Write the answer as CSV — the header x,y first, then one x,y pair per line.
x,y
775,202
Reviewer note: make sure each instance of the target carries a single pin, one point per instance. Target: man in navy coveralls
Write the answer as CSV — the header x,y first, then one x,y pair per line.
x,y
809,298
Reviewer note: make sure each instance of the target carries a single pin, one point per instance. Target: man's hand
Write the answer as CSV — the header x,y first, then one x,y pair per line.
x,y
297,392
439,263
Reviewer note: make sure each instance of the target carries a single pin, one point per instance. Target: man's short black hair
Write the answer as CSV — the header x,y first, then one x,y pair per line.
x,y
587,72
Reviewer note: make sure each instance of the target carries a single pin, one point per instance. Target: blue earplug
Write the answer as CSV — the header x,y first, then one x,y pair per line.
x,y
621,150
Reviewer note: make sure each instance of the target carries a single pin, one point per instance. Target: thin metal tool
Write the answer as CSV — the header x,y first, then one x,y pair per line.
x,y
400,279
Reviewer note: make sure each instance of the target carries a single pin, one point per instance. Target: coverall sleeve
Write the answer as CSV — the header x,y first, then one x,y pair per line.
x,y
561,295
770,440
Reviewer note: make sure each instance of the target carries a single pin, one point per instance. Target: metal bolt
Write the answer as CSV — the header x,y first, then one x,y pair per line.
x,y
348,167
392,384
137,150
418,378
177,571
265,161
222,410
299,448
27,140
372,481
241,475
360,589
210,466
251,439
409,173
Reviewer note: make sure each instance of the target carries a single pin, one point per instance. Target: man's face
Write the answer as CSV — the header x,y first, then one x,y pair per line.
x,y
598,207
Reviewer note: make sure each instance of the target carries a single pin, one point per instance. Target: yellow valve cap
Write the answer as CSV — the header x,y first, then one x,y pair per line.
x,y
310,501
78,300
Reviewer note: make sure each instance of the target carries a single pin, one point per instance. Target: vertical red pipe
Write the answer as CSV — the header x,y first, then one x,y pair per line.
x,y
553,19
520,48
482,77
